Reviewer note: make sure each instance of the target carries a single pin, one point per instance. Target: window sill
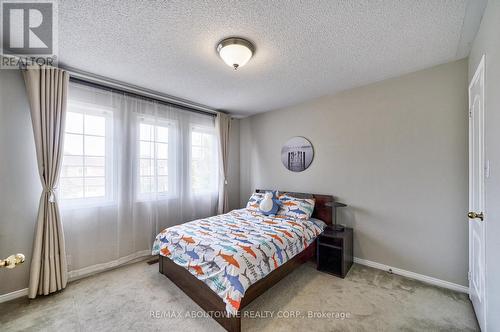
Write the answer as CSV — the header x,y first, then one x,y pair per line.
x,y
203,194
159,198
80,205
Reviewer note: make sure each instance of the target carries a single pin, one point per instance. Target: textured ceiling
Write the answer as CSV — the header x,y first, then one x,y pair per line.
x,y
305,49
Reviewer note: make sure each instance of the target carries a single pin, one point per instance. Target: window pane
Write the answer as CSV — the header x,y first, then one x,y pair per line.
x,y
203,167
145,132
162,167
95,171
84,168
162,134
95,161
161,150
95,125
73,144
95,146
146,167
153,158
71,171
162,184
206,140
196,153
71,188
146,184
74,122
73,161
95,187
200,179
196,138
146,150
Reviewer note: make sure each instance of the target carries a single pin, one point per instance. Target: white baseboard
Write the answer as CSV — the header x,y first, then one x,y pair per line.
x,y
85,272
93,269
13,295
89,270
413,275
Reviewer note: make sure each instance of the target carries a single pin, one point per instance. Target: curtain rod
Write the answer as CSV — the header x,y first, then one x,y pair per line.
x,y
136,91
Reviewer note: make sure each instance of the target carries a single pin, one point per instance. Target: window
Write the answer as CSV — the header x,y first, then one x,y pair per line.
x,y
154,157
86,166
204,171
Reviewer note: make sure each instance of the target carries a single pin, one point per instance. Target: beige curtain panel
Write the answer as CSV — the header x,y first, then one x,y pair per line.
x,y
222,126
47,90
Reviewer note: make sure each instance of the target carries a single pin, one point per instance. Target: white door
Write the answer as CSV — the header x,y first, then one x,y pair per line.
x,y
476,215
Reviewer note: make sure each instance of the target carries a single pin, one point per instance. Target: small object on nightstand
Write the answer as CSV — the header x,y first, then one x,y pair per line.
x,y
335,205
334,252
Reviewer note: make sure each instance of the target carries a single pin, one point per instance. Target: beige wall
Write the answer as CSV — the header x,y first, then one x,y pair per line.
x,y
394,151
487,42
19,182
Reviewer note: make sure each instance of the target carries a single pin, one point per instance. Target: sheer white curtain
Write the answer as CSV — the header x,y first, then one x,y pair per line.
x,y
131,168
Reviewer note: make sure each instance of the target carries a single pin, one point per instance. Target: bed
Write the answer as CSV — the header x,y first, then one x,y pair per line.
x,y
218,261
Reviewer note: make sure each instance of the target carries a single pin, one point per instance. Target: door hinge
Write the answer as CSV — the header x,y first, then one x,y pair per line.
x,y
470,114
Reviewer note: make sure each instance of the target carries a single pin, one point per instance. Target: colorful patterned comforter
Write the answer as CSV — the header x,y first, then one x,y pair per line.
x,y
232,251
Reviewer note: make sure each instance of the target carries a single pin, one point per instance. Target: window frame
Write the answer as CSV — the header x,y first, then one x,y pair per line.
x,y
172,192
109,192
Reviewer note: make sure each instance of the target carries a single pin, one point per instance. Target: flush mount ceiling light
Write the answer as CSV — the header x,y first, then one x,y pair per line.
x,y
235,51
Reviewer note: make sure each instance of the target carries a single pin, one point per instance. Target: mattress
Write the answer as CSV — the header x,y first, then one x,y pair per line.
x,y
232,251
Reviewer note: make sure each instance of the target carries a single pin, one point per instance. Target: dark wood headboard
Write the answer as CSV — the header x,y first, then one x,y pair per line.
x,y
321,211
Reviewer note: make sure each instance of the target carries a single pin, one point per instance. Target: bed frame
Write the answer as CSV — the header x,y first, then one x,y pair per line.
x,y
206,298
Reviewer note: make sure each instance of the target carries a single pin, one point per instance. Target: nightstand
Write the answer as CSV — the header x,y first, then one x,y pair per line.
x,y
334,251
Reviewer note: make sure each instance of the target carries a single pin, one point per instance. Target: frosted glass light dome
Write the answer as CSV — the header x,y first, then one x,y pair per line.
x,y
235,52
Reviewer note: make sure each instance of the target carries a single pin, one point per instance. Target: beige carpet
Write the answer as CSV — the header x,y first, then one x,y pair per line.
x,y
123,299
